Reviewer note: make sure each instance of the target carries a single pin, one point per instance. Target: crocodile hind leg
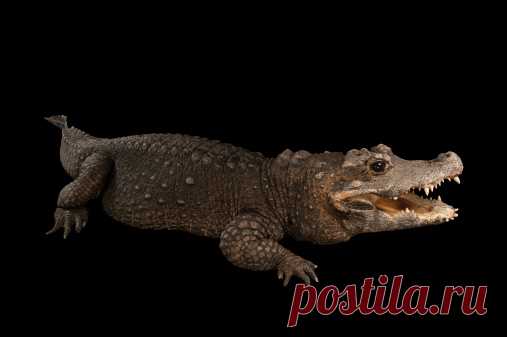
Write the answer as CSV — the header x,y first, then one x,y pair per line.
x,y
71,213
250,242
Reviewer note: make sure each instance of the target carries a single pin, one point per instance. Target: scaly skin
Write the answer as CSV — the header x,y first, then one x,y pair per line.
x,y
247,201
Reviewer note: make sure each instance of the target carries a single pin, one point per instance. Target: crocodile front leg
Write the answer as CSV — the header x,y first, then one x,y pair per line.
x,y
251,243
71,212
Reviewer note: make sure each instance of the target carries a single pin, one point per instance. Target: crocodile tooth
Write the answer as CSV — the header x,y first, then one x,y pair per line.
x,y
456,179
395,198
448,178
439,199
427,191
431,188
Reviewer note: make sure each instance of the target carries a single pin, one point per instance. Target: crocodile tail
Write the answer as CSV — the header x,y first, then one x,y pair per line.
x,y
59,121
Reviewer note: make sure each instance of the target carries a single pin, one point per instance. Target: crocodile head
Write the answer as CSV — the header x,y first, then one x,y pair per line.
x,y
379,191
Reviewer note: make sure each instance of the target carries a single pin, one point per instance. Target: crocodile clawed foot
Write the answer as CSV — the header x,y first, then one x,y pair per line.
x,y
73,219
294,265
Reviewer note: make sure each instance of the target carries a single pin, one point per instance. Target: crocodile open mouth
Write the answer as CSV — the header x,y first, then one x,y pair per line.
x,y
418,202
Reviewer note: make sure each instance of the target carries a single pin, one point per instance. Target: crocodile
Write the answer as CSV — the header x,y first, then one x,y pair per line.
x,y
245,200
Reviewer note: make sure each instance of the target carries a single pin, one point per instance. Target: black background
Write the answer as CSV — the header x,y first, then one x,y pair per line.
x,y
421,92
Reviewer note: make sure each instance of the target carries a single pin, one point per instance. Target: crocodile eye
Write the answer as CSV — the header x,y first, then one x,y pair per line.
x,y
378,166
